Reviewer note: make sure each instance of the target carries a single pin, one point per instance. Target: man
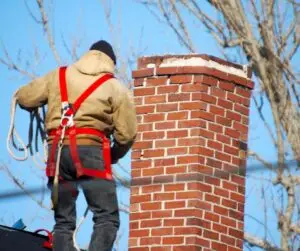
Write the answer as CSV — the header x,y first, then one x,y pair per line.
x,y
106,110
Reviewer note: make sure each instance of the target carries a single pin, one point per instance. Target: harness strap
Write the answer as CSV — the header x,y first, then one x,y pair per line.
x,y
72,131
63,84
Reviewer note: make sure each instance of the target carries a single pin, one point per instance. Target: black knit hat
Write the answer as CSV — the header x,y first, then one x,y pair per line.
x,y
106,48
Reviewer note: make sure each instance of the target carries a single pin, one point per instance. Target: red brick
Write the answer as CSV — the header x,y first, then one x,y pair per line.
x,y
212,217
174,187
162,231
240,127
223,157
203,115
161,213
190,230
164,196
191,123
176,169
197,241
221,192
153,117
203,133
231,150
201,150
139,215
156,81
143,73
229,186
173,222
209,80
163,179
153,135
173,240
213,180
148,241
221,210
215,128
138,82
241,109
204,97
215,145
177,134
138,100
145,109
196,203
164,162
141,164
145,127
151,188
237,197
134,225
244,92
238,179
236,233
140,198
144,91
217,110
167,108
219,246
233,116
223,139
177,115
165,143
227,86
167,89
151,153
210,235
223,121
236,215
155,99
196,87
199,187
191,141
165,125
172,97
146,206
212,198
139,233
227,240
188,159
174,204
218,92
198,222
194,105
142,145
151,223
225,104
177,151
229,203
180,79
189,213
152,171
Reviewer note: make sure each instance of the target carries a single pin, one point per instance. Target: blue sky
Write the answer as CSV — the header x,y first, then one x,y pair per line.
x,y
84,20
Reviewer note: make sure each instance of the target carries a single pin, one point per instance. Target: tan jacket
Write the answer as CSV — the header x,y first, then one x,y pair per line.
x,y
109,109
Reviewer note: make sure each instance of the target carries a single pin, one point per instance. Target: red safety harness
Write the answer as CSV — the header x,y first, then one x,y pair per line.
x,y
67,127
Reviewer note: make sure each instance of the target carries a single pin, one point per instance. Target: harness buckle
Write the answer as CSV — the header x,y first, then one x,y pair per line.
x,y
67,115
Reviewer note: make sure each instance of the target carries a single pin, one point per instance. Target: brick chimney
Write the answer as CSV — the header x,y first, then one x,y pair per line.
x,y
188,164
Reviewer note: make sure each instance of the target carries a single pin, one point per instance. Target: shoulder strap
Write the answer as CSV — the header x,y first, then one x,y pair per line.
x,y
63,84
85,94
90,90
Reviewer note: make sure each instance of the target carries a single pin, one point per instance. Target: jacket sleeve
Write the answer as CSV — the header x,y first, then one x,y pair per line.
x,y
35,93
125,123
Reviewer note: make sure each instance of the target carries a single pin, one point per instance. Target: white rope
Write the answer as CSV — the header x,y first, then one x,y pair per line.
x,y
81,220
12,131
